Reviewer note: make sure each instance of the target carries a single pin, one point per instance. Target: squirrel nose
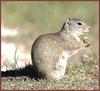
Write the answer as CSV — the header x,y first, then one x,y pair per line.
x,y
89,27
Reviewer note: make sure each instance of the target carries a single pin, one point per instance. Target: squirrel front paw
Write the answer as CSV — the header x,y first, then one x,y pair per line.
x,y
86,41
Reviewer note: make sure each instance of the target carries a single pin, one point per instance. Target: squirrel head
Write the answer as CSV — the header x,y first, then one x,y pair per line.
x,y
75,26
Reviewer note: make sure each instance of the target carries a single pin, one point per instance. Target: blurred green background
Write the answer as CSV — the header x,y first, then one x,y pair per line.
x,y
38,17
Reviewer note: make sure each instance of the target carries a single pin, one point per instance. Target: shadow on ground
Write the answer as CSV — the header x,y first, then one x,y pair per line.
x,y
28,71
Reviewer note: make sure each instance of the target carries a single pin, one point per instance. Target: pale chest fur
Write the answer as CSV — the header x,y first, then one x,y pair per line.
x,y
61,65
73,42
63,60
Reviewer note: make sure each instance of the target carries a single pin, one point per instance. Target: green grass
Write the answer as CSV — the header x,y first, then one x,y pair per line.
x,y
83,77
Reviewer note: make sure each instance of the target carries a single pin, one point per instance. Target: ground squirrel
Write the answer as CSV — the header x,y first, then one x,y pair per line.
x,y
50,52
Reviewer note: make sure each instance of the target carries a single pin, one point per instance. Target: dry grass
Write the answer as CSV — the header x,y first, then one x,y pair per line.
x,y
83,77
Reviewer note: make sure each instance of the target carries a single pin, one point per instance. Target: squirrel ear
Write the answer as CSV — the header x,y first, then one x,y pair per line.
x,y
68,21
66,24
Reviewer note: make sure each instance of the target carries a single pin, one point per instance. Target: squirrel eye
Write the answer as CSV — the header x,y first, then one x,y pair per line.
x,y
79,23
